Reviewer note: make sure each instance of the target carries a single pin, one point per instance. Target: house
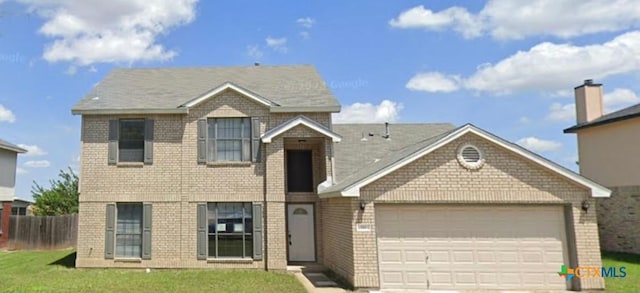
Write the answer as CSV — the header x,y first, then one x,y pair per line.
x,y
242,167
607,146
9,203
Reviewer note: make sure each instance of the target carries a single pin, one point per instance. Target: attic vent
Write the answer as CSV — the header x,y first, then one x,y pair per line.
x,y
470,157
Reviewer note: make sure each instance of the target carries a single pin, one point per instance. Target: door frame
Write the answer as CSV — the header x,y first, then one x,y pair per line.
x,y
315,243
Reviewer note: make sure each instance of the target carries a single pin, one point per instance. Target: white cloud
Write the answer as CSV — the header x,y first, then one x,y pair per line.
x,y
524,120
305,35
619,99
32,150
254,51
457,17
561,112
37,164
539,145
386,111
433,82
21,171
71,70
6,115
508,19
307,22
277,44
86,32
549,67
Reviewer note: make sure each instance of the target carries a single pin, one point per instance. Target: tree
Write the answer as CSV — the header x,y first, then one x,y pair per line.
x,y
59,199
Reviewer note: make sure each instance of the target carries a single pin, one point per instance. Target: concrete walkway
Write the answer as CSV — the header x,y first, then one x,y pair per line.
x,y
313,278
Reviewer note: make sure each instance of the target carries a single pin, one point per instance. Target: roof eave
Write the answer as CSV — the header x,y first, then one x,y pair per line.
x,y
338,193
18,150
575,128
332,109
128,111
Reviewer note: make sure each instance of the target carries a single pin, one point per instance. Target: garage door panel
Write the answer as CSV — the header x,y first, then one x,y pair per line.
x,y
391,257
439,257
417,279
471,247
463,257
415,256
392,278
440,278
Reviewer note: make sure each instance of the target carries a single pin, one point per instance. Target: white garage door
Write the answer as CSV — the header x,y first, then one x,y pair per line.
x,y
473,247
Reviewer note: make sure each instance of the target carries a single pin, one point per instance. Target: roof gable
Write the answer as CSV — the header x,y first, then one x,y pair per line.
x,y
299,120
351,188
229,86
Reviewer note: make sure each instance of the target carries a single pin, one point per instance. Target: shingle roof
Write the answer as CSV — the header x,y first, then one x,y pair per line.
x,y
626,113
350,185
357,158
296,87
11,147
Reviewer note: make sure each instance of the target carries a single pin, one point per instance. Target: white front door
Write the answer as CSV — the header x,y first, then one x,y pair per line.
x,y
300,225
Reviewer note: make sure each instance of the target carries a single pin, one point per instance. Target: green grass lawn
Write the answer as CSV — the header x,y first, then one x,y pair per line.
x,y
53,271
630,283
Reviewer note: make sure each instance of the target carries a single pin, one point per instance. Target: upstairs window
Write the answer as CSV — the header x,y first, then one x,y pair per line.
x,y
131,140
229,139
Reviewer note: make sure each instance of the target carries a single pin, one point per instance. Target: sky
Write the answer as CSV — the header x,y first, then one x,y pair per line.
x,y
506,66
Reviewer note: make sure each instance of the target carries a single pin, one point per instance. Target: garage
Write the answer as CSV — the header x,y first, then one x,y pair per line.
x,y
470,247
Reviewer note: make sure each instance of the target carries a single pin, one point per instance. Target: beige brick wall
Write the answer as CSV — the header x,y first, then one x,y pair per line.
x,y
337,236
618,218
505,178
175,184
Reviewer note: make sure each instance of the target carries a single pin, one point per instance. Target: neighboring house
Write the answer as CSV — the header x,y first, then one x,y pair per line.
x,y
9,203
607,149
241,167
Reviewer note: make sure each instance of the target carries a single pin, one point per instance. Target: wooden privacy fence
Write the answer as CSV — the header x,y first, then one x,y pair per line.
x,y
49,232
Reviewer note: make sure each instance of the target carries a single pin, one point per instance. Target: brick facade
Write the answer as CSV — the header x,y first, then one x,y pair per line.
x,y
175,183
618,218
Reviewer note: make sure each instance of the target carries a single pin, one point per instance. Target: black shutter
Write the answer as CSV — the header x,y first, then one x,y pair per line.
x,y
202,141
109,234
202,231
148,141
147,215
113,141
255,139
257,231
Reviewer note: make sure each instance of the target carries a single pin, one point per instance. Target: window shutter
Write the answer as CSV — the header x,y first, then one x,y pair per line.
x,y
146,230
148,141
202,141
113,141
257,232
255,139
202,231
109,231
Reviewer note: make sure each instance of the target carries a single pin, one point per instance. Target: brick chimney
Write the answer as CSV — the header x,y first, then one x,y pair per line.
x,y
588,101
